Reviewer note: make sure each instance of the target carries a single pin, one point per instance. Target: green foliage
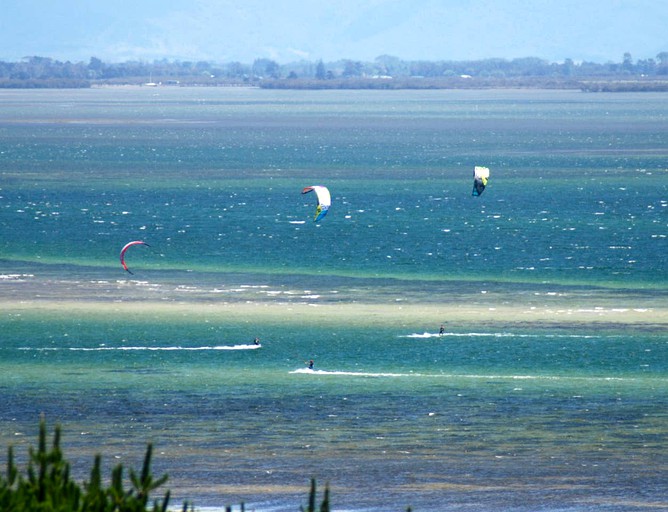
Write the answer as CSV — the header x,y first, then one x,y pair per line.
x,y
324,506
47,486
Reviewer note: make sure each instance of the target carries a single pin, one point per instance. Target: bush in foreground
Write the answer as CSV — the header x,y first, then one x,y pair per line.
x,y
47,486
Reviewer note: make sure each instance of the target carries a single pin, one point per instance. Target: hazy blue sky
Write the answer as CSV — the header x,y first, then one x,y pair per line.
x,y
289,30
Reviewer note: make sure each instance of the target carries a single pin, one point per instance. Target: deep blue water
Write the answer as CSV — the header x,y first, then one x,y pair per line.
x,y
547,391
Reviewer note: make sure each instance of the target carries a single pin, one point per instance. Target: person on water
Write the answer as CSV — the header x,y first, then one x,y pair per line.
x,y
310,364
441,330
256,341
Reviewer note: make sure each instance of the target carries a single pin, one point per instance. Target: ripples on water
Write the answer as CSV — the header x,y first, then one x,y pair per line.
x,y
547,390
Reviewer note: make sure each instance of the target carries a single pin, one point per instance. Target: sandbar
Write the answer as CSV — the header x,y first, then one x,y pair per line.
x,y
358,314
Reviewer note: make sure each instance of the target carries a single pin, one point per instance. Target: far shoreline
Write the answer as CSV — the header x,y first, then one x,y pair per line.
x,y
588,84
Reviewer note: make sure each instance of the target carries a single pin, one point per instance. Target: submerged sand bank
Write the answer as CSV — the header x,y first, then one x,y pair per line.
x,y
416,305
359,314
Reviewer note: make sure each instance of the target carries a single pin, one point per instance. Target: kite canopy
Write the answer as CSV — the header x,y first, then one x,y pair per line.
x,y
125,248
324,200
480,177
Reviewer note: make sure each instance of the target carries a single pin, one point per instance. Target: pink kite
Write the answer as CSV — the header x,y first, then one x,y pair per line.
x,y
125,248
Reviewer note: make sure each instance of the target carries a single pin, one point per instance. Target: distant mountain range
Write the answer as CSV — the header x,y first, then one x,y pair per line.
x,y
292,30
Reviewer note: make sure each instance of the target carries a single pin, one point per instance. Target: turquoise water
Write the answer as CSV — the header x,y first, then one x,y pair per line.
x,y
547,391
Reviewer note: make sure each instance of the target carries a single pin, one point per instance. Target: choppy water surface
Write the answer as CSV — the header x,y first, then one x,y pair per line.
x,y
547,390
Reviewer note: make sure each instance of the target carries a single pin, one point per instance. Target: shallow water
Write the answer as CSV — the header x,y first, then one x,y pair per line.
x,y
547,390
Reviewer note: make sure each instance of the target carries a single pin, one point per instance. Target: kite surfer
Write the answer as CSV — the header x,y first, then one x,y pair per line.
x,y
310,364
324,200
256,341
441,330
125,248
480,178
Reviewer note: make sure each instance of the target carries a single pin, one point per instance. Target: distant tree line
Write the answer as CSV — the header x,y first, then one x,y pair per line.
x,y
384,72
